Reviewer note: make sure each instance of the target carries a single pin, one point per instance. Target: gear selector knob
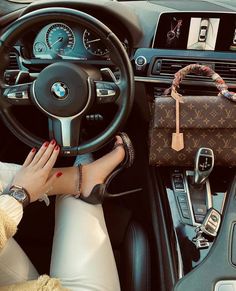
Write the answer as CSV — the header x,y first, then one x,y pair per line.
x,y
204,163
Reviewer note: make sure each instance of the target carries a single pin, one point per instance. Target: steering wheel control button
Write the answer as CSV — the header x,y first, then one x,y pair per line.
x,y
106,92
94,117
60,90
11,76
17,93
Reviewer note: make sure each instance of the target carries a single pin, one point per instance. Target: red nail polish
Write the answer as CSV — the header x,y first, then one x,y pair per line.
x,y
58,174
46,144
53,142
57,148
33,150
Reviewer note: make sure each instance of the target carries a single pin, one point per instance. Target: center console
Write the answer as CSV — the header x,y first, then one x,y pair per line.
x,y
196,198
198,219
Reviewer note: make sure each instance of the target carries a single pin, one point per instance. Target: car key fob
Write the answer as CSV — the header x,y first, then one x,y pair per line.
x,y
211,222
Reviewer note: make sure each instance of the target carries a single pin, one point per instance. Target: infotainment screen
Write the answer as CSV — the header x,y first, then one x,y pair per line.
x,y
203,33
196,31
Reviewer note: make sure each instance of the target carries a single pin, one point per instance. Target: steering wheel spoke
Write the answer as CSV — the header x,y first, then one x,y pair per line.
x,y
17,94
106,92
65,130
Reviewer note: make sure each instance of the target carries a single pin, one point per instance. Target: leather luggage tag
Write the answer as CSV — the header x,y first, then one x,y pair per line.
x,y
177,141
177,137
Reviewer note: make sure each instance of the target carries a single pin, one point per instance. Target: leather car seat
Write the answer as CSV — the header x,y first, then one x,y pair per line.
x,y
131,249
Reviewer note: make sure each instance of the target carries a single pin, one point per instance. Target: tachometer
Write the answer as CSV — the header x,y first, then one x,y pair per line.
x,y
60,38
94,44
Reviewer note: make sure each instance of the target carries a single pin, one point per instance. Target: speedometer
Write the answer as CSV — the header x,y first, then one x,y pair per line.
x,y
94,44
60,38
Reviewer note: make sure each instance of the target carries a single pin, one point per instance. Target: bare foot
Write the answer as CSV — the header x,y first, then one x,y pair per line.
x,y
97,171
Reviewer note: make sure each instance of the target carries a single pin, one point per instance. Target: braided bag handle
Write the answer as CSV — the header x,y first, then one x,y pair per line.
x,y
205,71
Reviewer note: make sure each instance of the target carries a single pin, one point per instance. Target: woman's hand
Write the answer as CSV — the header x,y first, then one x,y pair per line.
x,y
34,175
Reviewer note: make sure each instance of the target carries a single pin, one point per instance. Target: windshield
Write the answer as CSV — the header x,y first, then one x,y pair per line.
x,y
160,1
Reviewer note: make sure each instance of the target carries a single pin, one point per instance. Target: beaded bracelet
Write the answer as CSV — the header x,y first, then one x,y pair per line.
x,y
79,181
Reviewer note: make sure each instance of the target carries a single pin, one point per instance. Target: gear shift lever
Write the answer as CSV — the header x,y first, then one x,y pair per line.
x,y
204,163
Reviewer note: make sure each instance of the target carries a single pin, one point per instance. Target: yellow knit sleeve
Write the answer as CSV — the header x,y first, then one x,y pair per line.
x,y
8,228
44,283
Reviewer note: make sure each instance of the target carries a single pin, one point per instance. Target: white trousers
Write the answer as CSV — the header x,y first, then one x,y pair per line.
x,y
82,256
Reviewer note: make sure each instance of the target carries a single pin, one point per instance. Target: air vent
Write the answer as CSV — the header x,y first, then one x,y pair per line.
x,y
226,70
13,62
171,67
168,67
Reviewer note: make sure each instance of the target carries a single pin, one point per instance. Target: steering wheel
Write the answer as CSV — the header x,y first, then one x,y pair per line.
x,y
64,91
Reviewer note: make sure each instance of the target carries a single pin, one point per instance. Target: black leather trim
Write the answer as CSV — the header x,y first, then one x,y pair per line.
x,y
135,271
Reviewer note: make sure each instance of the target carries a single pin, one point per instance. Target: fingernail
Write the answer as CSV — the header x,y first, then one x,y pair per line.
x,y
58,174
56,148
53,142
33,150
46,144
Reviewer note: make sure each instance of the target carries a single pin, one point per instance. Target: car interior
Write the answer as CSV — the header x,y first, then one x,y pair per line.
x,y
79,71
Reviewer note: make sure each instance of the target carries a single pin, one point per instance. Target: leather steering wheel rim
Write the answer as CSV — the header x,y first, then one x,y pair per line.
x,y
118,55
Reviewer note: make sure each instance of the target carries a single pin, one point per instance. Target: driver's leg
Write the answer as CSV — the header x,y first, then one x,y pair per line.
x,y
15,266
82,256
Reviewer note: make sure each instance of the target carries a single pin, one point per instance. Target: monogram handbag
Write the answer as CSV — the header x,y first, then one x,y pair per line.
x,y
180,125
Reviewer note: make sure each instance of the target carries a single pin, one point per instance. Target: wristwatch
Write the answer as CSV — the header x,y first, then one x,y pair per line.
x,y
20,194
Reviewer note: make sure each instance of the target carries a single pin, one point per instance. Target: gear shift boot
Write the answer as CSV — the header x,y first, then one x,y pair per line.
x,y
199,199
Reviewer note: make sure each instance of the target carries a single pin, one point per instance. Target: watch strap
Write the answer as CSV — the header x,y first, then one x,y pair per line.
x,y
15,188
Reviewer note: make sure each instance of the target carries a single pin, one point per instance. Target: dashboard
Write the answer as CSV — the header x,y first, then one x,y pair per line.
x,y
159,36
68,41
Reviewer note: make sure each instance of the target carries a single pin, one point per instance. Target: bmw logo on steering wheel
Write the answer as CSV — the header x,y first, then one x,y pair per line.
x,y
60,90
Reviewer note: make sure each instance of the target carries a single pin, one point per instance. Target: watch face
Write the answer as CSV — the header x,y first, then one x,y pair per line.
x,y
19,195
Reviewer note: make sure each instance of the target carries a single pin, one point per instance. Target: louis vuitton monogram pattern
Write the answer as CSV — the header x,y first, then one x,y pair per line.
x,y
221,141
195,112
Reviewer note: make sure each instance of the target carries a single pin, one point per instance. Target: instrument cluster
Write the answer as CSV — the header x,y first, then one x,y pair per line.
x,y
65,41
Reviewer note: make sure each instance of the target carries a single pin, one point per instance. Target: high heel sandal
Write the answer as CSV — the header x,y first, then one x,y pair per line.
x,y
100,191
